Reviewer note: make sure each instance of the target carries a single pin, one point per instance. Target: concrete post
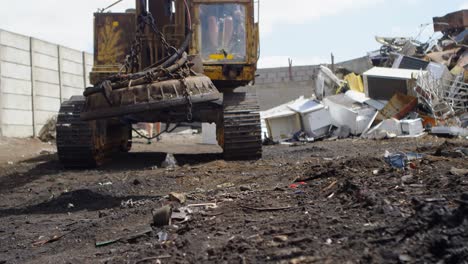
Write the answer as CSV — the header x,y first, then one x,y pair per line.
x,y
33,84
83,55
60,77
1,105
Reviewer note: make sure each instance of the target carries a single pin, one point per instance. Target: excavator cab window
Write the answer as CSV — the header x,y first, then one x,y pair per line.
x,y
223,33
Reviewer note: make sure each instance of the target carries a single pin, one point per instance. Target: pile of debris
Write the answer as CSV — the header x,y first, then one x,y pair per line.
x,y
409,89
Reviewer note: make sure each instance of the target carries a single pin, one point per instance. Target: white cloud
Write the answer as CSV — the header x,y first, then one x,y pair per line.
x,y
293,12
282,61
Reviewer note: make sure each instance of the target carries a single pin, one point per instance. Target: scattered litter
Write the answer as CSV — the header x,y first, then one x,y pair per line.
x,y
450,131
105,183
170,162
280,238
397,160
125,236
408,179
10,163
459,172
48,131
163,236
206,205
132,204
162,216
226,185
52,239
178,197
46,152
245,188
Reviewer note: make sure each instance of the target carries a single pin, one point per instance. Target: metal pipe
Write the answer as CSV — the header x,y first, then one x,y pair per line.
x,y
104,9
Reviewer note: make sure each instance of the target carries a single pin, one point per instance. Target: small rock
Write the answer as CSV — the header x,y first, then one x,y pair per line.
x,y
136,182
280,238
225,185
178,197
407,179
329,241
102,214
378,171
10,163
45,152
245,188
70,206
405,258
170,162
459,172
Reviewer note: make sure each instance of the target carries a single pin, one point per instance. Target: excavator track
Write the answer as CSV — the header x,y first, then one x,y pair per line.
x,y
242,131
80,144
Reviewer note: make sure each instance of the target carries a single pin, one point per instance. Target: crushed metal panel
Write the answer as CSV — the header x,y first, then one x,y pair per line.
x,y
316,119
412,127
283,127
282,122
383,83
410,63
346,112
398,107
455,20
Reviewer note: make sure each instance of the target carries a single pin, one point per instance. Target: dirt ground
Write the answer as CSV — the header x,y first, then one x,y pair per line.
x,y
325,202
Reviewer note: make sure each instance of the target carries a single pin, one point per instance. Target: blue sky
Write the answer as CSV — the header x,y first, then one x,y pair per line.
x,y
305,30
350,32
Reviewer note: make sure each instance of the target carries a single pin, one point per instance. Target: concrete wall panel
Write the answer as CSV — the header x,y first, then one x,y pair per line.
x,y
42,103
42,117
16,102
72,80
89,62
17,117
47,89
15,86
19,131
72,67
68,92
71,55
32,93
45,48
46,75
15,55
14,40
45,61
16,71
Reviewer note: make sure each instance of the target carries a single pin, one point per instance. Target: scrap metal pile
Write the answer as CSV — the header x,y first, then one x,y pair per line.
x,y
409,89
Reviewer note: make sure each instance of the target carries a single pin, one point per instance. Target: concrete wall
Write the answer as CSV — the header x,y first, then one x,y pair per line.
x,y
282,75
35,77
274,86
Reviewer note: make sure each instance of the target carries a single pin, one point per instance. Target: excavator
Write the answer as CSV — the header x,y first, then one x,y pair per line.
x,y
168,61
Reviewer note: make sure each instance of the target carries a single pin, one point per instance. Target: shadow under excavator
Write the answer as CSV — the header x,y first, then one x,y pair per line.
x,y
84,199
49,166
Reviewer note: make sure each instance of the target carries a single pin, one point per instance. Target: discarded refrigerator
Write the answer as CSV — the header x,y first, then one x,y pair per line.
x,y
316,119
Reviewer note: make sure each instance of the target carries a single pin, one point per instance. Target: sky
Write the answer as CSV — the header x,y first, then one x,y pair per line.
x,y
307,31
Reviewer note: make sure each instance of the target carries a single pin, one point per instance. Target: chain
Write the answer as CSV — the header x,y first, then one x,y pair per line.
x,y
132,62
187,96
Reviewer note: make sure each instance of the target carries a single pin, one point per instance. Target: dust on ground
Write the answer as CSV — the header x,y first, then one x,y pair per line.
x,y
326,202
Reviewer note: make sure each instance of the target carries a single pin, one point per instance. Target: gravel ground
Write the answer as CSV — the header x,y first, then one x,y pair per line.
x,y
325,202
